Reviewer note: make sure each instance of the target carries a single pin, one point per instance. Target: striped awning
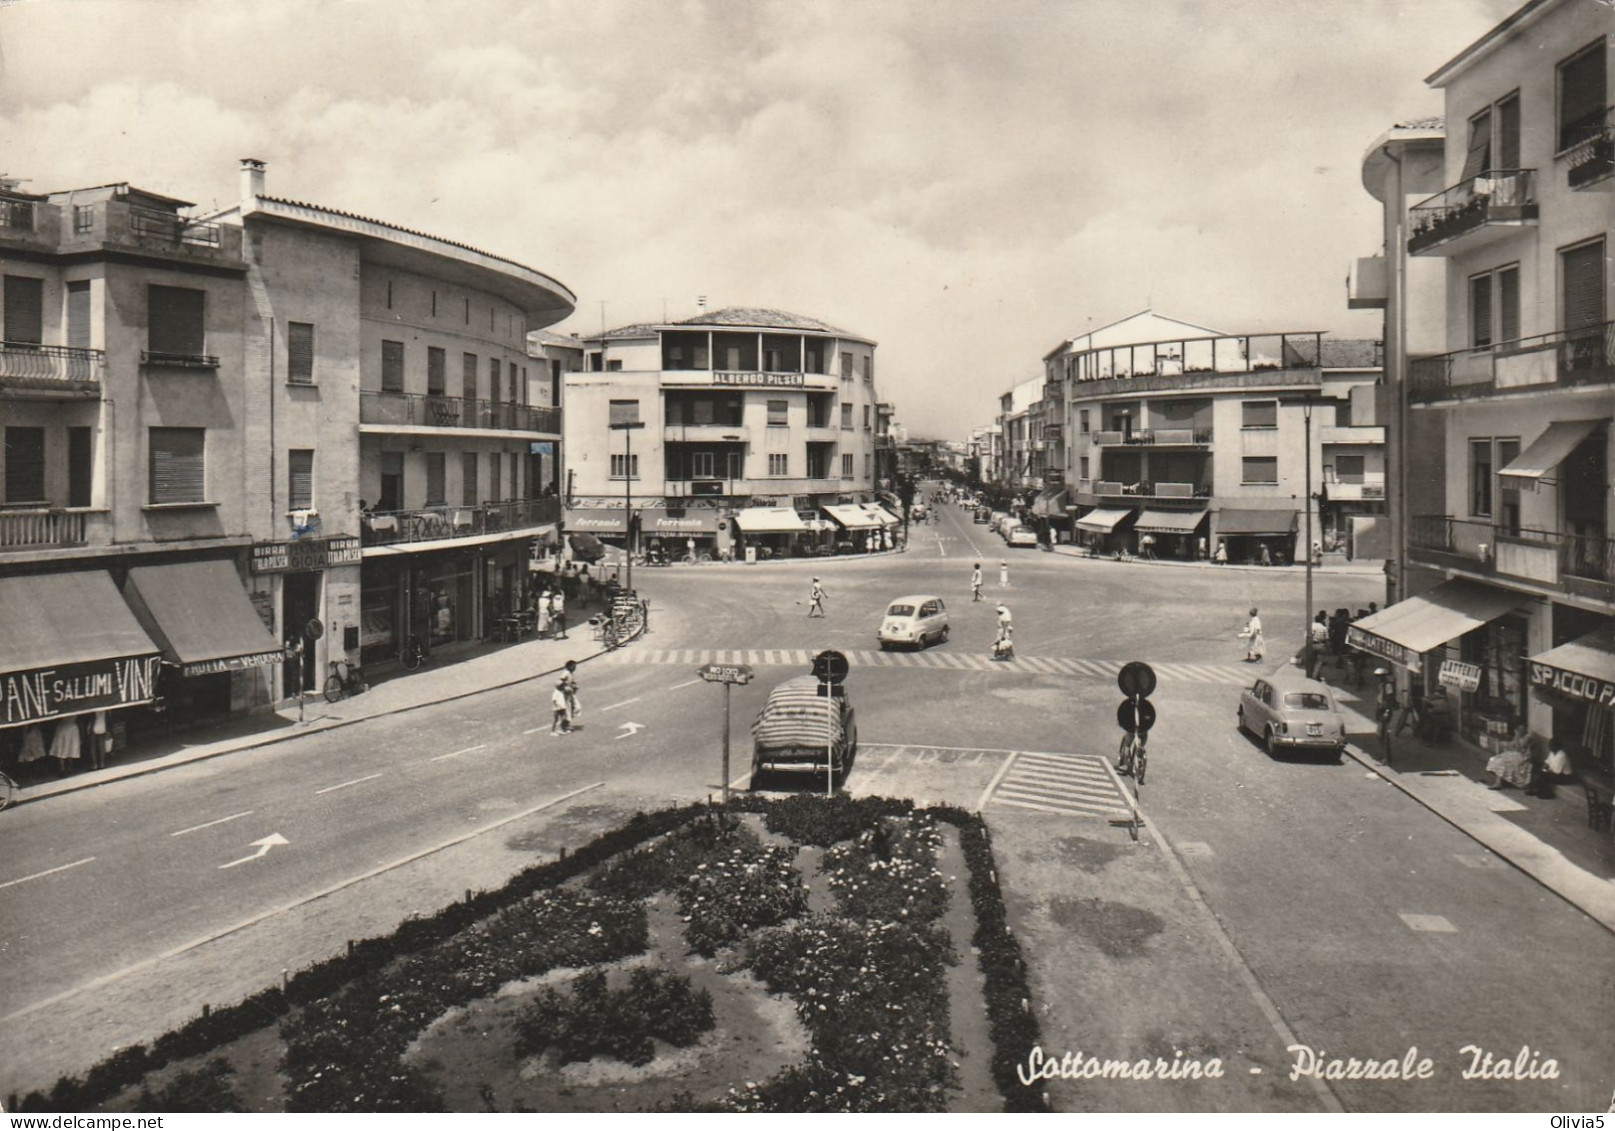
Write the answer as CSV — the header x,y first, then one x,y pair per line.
x,y
1169,522
1103,519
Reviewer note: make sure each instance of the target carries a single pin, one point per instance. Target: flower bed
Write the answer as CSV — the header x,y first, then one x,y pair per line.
x,y
890,872
591,1019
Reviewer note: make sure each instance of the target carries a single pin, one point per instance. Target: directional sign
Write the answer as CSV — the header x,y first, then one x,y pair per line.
x,y
830,666
1135,717
263,846
1136,678
724,673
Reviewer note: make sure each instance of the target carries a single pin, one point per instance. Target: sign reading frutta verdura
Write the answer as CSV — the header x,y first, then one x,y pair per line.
x,y
312,553
724,673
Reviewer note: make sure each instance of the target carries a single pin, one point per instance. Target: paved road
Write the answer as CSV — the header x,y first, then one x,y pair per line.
x,y
1345,916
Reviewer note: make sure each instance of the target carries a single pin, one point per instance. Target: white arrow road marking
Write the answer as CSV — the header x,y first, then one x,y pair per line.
x,y
344,785
210,824
47,872
263,846
455,754
632,729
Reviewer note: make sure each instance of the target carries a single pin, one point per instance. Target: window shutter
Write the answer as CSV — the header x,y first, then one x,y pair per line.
x,y
1508,304
468,376
392,367
1584,286
78,315
1479,159
435,365
25,465
80,467
177,465
1581,96
300,353
1480,311
174,320
493,379
24,310
436,486
300,479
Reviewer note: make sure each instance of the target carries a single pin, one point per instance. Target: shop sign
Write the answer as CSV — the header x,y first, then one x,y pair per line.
x,y
284,557
233,663
1574,685
1456,673
75,689
1379,646
766,380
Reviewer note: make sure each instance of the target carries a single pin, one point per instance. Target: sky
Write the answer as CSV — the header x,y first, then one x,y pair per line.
x,y
968,182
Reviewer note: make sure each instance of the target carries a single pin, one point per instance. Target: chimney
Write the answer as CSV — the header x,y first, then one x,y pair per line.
x,y
252,179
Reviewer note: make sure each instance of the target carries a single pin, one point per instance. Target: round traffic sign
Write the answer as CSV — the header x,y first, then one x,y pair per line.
x,y
1135,717
314,629
1136,678
830,666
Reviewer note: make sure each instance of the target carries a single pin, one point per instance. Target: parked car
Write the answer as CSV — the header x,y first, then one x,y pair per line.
x,y
983,515
1289,712
996,520
804,726
915,621
917,511
1020,535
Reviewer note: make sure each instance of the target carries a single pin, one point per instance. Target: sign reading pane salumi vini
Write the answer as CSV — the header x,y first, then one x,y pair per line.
x,y
75,689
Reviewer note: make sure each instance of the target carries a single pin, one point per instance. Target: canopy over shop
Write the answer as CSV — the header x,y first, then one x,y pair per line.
x,y
1103,520
1408,629
1173,530
1579,676
200,617
1245,532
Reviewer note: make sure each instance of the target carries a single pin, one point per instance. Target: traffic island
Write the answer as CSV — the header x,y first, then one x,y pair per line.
x,y
692,959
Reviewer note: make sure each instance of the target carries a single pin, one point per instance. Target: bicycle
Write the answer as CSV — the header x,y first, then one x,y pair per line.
x,y
345,679
411,654
1132,757
8,790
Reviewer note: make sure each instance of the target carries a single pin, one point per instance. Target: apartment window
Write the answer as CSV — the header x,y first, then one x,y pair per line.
x,y
613,366
866,418
392,367
846,466
1582,95
24,310
1348,469
1082,467
701,465
868,466
818,461
846,367
1494,138
495,390
80,466
78,314
300,479
515,475
1082,421
300,353
624,467
734,465
869,368
1508,488
437,489
25,465
1494,307
468,312
779,463
436,363
1259,469
1582,284
174,321
778,413
1259,414
83,218
1480,311
468,375
177,465
496,472
1480,478
392,482
846,418
468,476
389,294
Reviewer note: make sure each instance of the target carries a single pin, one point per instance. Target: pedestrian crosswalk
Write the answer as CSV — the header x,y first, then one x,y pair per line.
x,y
936,659
1073,784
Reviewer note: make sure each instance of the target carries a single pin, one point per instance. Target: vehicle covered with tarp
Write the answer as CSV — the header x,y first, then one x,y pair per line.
x,y
805,725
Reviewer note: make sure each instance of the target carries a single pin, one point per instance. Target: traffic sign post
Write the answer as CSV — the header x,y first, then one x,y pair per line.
x,y
830,667
728,675
1135,715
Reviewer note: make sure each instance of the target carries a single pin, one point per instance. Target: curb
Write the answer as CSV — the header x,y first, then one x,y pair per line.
x,y
1333,570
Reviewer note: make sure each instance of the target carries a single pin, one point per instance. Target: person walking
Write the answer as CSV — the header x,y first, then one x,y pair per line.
x,y
560,723
1318,636
1255,646
569,684
816,600
975,583
558,614
1221,557
1266,555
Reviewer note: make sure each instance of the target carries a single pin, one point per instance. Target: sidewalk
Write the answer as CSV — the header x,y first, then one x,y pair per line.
x,y
1332,565
1547,838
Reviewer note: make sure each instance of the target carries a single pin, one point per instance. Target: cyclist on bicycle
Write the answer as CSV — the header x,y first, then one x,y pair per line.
x,y
1132,756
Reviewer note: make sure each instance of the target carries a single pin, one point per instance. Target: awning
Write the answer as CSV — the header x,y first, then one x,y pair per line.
x,y
1582,669
1548,451
881,515
1051,501
852,516
1406,630
654,520
1169,522
1103,519
69,646
594,520
1267,523
770,520
201,617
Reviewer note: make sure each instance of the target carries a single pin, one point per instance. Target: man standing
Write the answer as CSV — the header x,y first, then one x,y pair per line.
x,y
1255,646
975,583
816,600
558,614
569,684
560,723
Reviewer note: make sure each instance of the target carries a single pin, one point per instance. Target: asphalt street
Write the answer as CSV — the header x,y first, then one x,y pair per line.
x,y
1350,919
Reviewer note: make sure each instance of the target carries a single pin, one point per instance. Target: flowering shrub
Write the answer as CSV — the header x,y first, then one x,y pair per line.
x,y
808,818
889,872
206,1089
590,1019
751,887
660,866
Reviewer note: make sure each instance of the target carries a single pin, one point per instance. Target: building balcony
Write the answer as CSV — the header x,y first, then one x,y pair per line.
x,y
1564,358
1590,162
1352,434
117,224
1355,492
39,372
1111,489
412,412
27,222
1579,563
710,433
43,528
1474,213
1155,438
432,524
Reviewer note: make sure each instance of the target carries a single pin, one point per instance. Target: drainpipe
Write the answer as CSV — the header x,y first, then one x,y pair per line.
x,y
1395,389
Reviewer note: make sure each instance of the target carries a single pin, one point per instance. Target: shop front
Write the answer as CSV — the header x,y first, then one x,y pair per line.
x,y
770,532
1048,509
889,525
608,524
73,662
441,595
1577,679
860,531
305,581
1256,537
680,534
1170,534
1104,530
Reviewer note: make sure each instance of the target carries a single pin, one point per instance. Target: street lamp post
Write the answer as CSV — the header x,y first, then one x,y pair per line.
x,y
1306,648
626,427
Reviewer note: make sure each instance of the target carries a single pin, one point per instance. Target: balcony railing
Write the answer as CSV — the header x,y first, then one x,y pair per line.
x,y
430,524
1497,197
17,214
1591,156
1545,556
42,367
32,529
413,409
1144,490
167,227
1154,437
179,360
1185,357
1565,357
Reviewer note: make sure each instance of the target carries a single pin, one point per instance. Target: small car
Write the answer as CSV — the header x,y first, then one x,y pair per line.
x,y
804,725
1293,714
915,621
1021,536
982,516
917,511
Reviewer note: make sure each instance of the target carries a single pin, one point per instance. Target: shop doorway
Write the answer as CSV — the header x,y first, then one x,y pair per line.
x,y
299,604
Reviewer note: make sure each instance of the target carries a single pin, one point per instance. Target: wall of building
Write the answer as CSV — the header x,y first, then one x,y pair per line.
x,y
590,443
